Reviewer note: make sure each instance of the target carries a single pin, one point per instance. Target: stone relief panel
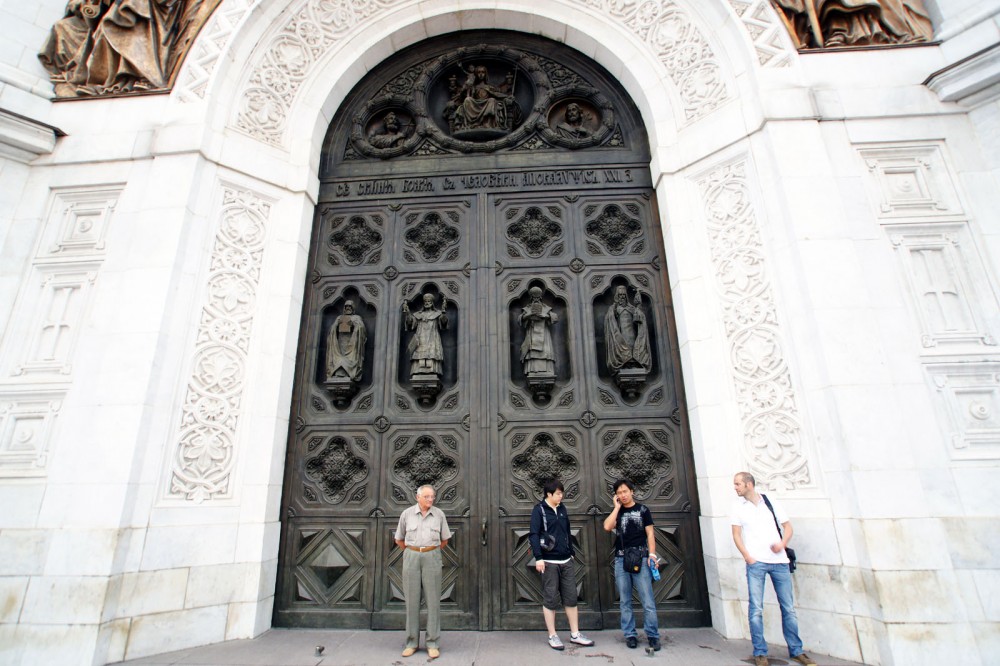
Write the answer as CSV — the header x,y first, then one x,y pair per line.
x,y
968,395
215,38
772,428
430,327
354,238
948,285
437,236
314,28
536,454
910,180
204,453
538,367
53,304
27,418
681,47
766,30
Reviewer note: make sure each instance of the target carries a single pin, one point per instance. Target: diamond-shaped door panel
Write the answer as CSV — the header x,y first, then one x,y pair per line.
x,y
330,567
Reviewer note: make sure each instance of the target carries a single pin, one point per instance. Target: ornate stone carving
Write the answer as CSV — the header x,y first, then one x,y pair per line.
x,y
336,470
345,354
128,46
538,356
543,460
772,432
835,23
968,398
770,39
425,348
205,457
478,109
199,65
626,340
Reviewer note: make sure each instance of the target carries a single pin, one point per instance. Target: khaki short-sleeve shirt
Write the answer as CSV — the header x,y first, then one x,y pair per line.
x,y
417,530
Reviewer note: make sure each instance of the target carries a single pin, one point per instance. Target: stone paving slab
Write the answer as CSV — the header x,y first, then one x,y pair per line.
x,y
297,647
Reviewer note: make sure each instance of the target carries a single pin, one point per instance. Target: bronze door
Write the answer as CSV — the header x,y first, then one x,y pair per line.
x,y
514,275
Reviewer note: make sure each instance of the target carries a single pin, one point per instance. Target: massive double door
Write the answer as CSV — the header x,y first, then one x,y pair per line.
x,y
565,236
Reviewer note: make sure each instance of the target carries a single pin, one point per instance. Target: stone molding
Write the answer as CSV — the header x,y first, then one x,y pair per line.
x,y
771,41
313,28
204,453
765,395
215,37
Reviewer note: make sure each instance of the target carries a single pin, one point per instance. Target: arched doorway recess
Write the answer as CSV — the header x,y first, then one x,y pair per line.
x,y
487,307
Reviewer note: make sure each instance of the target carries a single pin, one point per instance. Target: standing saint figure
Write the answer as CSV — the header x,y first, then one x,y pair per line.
x,y
345,345
425,347
625,333
538,356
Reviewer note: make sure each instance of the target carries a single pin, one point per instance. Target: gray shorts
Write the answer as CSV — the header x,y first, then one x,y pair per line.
x,y
559,586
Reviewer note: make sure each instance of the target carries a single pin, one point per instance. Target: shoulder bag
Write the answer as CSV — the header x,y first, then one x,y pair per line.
x,y
788,551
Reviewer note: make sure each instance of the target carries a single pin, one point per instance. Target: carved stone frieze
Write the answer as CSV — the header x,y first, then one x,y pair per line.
x,y
205,456
766,30
768,405
199,65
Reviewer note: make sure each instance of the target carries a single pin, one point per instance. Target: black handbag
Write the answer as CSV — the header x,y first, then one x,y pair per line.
x,y
546,541
788,551
633,559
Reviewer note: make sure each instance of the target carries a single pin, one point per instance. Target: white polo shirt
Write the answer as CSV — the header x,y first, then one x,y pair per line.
x,y
759,531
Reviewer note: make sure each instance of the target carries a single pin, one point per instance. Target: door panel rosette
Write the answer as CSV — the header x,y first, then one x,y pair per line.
x,y
403,398
656,395
352,237
521,587
412,458
521,364
434,236
337,471
319,403
532,455
649,455
329,570
615,229
533,230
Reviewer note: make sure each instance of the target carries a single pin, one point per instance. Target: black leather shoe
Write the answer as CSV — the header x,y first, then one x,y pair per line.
x,y
655,644
632,642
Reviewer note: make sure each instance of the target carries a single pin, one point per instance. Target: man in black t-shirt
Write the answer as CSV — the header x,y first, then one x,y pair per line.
x,y
633,525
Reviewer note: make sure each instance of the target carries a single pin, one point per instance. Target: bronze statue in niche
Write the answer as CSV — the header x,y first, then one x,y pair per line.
x,y
425,347
838,23
478,109
345,354
538,356
626,338
105,47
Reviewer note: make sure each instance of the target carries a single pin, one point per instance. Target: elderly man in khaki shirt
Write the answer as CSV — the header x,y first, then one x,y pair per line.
x,y
422,533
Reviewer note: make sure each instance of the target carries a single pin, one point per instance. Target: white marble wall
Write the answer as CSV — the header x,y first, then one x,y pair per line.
x,y
858,200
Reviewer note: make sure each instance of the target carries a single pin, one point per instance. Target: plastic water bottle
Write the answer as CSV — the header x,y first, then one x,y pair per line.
x,y
653,569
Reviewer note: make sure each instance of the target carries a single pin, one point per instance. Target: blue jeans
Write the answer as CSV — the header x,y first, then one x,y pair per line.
x,y
643,582
781,578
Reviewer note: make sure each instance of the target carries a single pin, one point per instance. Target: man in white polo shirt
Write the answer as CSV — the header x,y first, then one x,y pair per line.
x,y
756,535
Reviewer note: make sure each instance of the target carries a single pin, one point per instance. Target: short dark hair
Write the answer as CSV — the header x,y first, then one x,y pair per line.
x,y
747,477
551,486
623,482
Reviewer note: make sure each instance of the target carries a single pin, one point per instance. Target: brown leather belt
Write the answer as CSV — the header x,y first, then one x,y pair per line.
x,y
423,549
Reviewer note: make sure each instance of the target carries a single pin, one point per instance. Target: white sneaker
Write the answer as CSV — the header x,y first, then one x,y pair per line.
x,y
580,639
555,643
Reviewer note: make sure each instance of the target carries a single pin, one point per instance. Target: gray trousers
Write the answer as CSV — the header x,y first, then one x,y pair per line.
x,y
422,570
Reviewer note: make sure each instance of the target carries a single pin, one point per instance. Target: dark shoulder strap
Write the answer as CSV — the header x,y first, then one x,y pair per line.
x,y
773,514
